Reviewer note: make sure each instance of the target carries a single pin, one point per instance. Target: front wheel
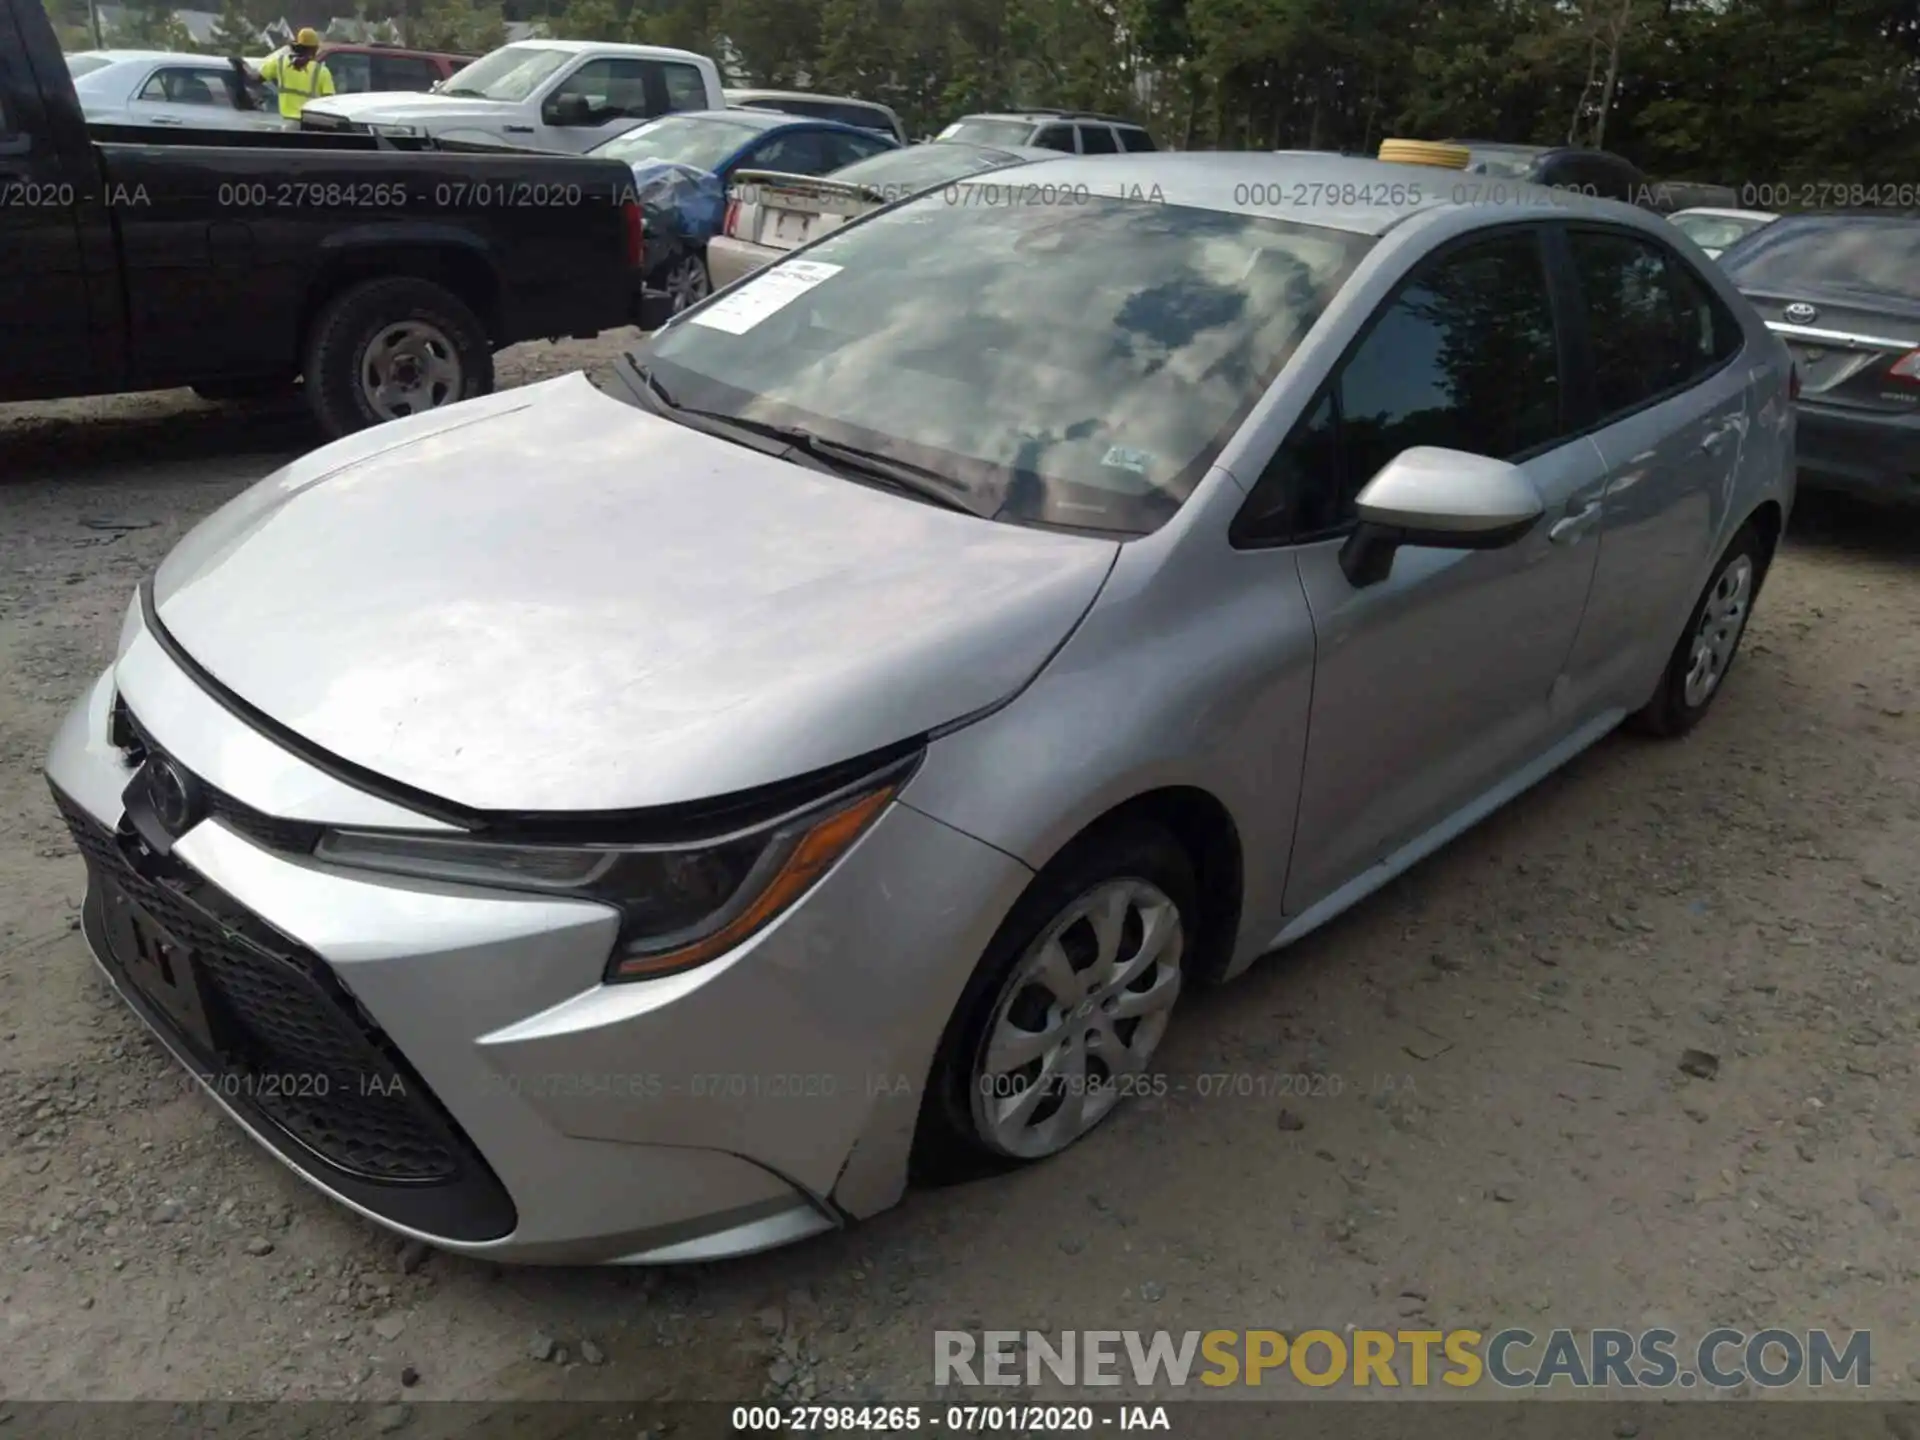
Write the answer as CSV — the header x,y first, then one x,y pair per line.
x,y
1063,1015
1711,639
387,349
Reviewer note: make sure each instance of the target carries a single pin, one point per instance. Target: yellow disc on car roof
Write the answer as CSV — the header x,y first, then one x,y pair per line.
x,y
1424,152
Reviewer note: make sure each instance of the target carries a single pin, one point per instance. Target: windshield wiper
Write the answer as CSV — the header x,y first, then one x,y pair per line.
x,y
469,94
828,454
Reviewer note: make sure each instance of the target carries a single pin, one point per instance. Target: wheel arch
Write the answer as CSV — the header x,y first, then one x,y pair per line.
x,y
1204,828
460,269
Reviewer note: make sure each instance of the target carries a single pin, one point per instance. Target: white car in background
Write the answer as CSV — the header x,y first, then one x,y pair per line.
x,y
769,214
558,95
1714,230
159,87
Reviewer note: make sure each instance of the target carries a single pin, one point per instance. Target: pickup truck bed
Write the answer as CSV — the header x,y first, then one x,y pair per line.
x,y
385,278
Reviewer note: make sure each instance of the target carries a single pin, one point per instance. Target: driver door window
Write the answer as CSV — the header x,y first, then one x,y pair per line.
x,y
1464,356
1056,137
352,72
615,89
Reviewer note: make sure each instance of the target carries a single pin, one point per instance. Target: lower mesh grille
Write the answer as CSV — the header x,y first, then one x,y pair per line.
x,y
295,1051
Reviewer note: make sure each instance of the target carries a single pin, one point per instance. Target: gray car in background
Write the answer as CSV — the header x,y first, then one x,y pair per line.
x,y
1843,291
769,213
651,823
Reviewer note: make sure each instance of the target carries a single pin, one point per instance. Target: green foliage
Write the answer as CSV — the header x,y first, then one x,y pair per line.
x,y
1737,91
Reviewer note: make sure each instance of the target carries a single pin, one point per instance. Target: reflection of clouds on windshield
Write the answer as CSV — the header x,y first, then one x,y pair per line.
x,y
1044,339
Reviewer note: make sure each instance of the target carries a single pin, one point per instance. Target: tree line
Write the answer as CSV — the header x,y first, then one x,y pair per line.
x,y
1733,91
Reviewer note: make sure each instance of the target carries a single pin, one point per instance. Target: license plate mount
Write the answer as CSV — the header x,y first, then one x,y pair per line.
x,y
160,967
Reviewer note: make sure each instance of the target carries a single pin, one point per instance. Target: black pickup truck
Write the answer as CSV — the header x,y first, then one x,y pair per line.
x,y
381,280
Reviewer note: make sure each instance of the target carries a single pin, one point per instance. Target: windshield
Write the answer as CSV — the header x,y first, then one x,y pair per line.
x,y
1715,232
921,166
510,74
78,65
1865,254
989,132
1077,366
1508,164
679,140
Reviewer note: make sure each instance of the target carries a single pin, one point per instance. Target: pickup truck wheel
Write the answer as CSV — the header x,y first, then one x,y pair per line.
x,y
390,348
687,282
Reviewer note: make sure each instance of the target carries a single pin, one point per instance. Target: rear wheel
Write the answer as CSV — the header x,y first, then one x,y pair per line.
x,y
1705,653
687,282
1066,1009
387,349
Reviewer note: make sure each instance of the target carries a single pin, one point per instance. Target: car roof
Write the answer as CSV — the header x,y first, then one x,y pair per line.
x,y
1232,182
1722,214
740,94
608,47
122,56
760,119
1041,117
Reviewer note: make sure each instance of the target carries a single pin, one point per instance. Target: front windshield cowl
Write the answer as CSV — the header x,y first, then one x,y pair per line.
x,y
1077,366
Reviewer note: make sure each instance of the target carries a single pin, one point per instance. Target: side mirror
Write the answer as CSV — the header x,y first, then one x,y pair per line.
x,y
1441,499
569,110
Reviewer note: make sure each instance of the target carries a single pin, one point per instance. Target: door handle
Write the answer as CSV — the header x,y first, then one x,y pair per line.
x,y
1717,436
518,129
1569,529
167,120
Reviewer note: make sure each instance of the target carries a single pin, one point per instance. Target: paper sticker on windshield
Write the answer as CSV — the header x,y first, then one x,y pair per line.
x,y
765,293
1125,457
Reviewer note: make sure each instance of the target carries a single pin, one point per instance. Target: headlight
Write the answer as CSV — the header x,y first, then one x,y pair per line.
x,y
680,905
395,132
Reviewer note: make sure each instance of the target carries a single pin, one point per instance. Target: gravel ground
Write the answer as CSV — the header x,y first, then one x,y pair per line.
x,y
1514,1141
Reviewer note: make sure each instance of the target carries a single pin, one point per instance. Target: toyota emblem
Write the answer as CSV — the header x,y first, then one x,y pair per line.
x,y
174,794
1801,313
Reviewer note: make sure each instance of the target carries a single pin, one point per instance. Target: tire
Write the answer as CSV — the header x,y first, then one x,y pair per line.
x,y
1696,672
688,281
1148,876
430,347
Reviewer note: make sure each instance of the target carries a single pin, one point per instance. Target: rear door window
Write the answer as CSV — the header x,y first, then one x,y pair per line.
x,y
844,149
173,85
403,72
796,152
1651,325
352,72
1097,140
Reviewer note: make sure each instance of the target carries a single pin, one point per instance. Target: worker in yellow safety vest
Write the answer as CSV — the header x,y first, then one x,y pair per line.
x,y
298,73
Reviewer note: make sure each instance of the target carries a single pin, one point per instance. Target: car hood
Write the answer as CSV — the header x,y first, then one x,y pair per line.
x,y
549,600
410,108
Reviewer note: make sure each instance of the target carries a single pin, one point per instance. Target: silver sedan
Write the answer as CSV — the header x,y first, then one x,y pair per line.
x,y
653,822
158,87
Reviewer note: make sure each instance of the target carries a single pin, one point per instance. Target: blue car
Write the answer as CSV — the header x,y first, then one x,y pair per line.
x,y
682,164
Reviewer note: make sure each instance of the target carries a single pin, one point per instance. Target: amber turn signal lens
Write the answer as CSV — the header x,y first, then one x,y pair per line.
x,y
823,843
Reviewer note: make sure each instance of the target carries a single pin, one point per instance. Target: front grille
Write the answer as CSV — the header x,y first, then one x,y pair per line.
x,y
297,1055
295,837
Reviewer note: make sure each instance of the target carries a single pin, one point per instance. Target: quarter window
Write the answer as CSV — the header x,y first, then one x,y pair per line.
x,y
1465,356
1135,140
1651,323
